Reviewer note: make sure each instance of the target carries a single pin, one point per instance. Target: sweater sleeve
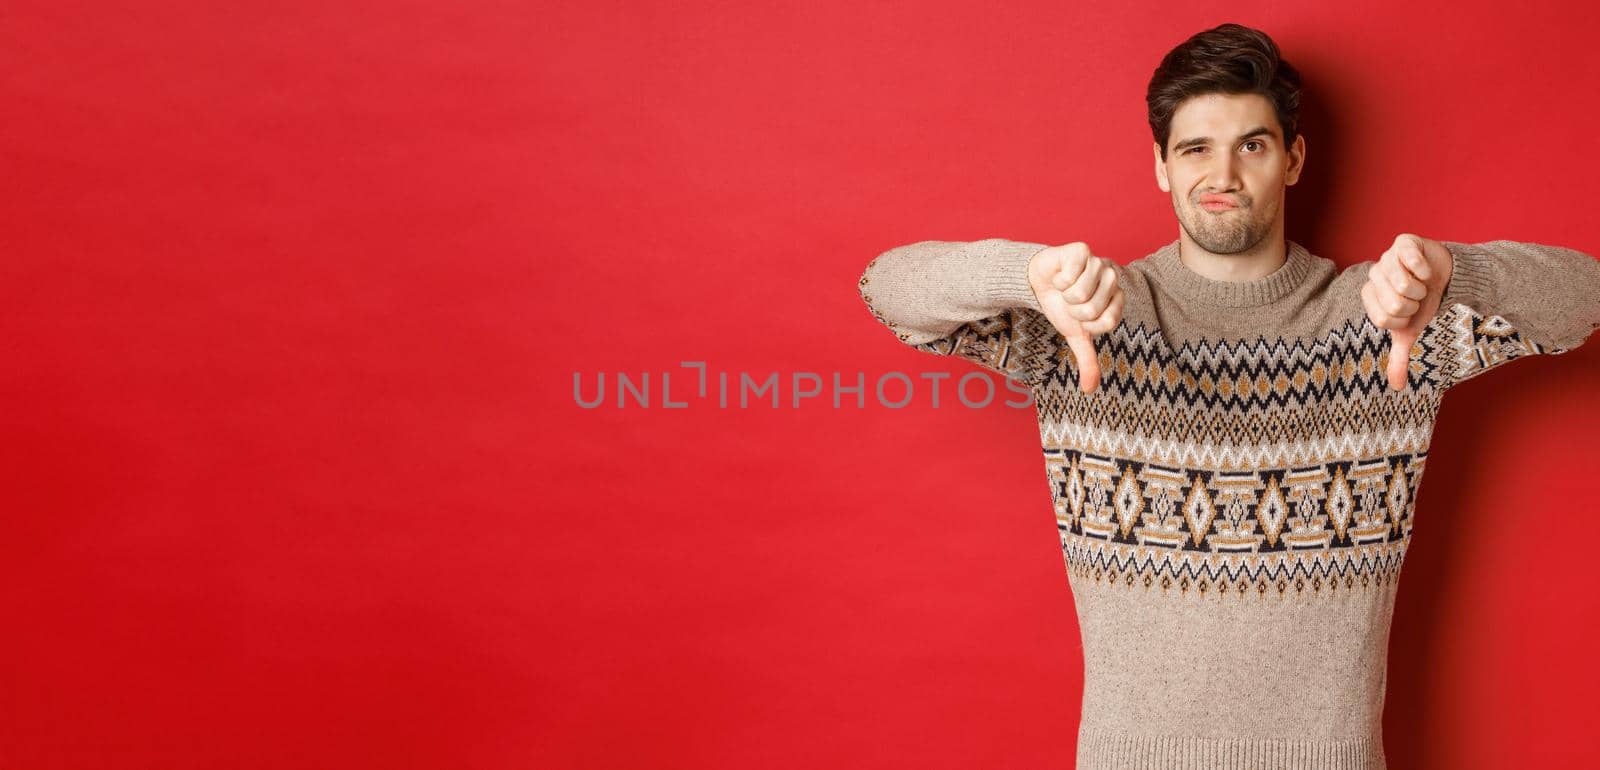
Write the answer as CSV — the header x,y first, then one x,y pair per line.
x,y
1507,300
971,300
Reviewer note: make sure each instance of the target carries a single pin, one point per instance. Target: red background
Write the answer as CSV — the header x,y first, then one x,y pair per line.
x,y
294,295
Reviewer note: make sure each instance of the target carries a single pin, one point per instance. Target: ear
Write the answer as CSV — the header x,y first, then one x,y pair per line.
x,y
1297,160
1161,168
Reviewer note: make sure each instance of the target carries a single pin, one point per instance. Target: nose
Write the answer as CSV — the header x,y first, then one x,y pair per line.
x,y
1224,173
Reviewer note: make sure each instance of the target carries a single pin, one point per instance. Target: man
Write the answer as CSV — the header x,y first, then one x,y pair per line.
x,y
1234,429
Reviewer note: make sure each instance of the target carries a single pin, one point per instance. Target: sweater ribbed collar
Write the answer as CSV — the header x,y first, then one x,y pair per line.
x,y
1183,281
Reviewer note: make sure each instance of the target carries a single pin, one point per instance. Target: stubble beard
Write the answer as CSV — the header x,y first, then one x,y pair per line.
x,y
1225,232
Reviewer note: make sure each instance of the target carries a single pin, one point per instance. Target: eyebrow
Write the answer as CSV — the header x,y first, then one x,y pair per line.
x,y
1254,132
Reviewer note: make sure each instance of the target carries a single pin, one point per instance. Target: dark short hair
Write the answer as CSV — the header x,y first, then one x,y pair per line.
x,y
1226,59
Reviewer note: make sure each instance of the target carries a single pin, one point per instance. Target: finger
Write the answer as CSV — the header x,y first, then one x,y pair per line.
x,y
1400,308
1402,282
1417,263
1399,369
1071,267
1088,363
1110,318
1393,302
1376,310
1083,286
1096,306
1061,280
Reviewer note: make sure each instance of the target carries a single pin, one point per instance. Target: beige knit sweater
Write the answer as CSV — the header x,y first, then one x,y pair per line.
x,y
1235,500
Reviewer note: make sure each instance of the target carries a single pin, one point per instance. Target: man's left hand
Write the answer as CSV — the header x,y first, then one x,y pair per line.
x,y
1402,294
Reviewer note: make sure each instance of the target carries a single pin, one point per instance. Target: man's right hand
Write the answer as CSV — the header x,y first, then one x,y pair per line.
x,y
1079,293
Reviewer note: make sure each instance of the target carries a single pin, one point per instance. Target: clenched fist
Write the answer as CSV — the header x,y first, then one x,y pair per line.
x,y
1079,293
1402,294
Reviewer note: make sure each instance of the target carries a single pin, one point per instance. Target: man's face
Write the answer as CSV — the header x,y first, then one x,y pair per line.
x,y
1228,147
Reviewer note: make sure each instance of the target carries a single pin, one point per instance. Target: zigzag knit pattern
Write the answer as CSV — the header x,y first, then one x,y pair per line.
x,y
1224,466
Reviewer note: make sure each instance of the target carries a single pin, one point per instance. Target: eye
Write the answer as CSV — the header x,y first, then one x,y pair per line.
x,y
1254,141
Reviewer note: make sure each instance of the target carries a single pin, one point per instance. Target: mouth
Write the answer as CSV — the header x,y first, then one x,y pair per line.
x,y
1215,202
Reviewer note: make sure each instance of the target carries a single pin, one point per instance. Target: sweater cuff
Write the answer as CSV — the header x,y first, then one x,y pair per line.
x,y
1471,275
1005,279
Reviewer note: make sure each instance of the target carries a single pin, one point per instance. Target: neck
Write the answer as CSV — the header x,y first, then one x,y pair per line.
x,y
1259,262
